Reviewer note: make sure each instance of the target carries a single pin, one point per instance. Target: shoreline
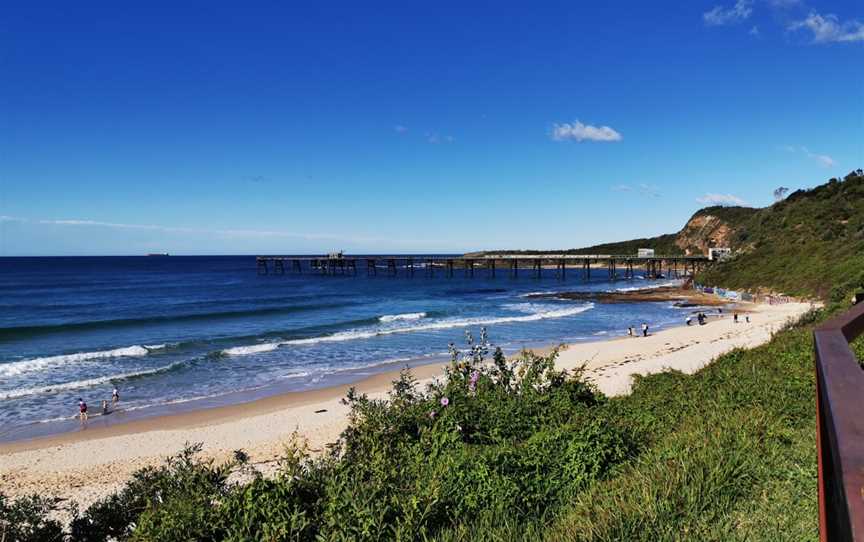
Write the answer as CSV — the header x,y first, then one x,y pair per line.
x,y
201,411
202,417
88,464
28,436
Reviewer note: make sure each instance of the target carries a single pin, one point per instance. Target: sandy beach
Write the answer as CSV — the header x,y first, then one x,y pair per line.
x,y
90,463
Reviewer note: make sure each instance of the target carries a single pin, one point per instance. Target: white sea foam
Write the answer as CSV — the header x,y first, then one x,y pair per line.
x,y
532,294
37,364
651,286
78,384
530,308
545,312
397,317
252,349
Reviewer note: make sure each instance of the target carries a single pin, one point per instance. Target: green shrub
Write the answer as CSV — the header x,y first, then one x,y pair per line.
x,y
26,519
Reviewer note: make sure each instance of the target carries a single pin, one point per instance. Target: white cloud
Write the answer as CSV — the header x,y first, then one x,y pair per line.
x,y
433,138
823,159
784,3
649,190
582,132
228,233
721,16
643,189
720,199
754,31
828,28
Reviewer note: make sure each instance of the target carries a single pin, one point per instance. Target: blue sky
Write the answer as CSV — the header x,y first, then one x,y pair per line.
x,y
209,128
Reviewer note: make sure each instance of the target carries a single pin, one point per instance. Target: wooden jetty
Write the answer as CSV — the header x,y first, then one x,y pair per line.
x,y
615,266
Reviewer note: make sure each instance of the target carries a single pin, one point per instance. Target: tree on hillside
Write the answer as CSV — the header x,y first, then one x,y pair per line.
x,y
780,193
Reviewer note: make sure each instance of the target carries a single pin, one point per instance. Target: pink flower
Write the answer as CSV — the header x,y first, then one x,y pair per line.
x,y
432,414
472,384
445,401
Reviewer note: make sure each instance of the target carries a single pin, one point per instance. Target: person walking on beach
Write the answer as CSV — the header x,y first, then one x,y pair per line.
x,y
644,329
735,318
82,410
115,396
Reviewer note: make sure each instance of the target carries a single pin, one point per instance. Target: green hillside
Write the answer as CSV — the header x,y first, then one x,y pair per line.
x,y
811,243
662,244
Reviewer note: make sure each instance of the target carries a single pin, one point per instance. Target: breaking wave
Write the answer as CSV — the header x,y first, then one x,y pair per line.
x,y
406,316
16,368
77,384
448,323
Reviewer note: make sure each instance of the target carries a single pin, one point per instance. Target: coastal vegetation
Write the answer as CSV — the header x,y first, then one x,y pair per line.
x,y
809,244
508,450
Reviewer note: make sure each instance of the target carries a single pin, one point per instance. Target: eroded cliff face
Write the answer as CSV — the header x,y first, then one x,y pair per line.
x,y
703,232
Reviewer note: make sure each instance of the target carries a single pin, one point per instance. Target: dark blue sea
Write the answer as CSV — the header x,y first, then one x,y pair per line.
x,y
189,332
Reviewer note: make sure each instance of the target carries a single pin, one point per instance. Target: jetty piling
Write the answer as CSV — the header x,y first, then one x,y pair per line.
x,y
617,266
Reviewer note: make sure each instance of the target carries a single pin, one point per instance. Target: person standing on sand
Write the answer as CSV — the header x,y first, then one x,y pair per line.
x,y
644,329
82,410
689,320
630,331
735,318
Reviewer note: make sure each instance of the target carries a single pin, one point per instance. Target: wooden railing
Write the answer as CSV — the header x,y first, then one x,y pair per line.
x,y
840,428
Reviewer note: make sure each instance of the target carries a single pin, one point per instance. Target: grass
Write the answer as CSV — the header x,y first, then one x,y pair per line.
x,y
728,454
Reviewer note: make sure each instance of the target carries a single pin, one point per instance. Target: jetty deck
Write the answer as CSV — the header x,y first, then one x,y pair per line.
x,y
616,266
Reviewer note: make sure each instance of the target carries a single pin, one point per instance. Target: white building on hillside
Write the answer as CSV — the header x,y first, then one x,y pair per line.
x,y
719,253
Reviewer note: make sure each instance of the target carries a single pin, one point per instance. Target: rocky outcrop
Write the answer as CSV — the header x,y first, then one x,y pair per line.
x,y
703,232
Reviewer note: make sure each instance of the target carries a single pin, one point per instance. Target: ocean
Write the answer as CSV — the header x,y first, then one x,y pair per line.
x,y
174,333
